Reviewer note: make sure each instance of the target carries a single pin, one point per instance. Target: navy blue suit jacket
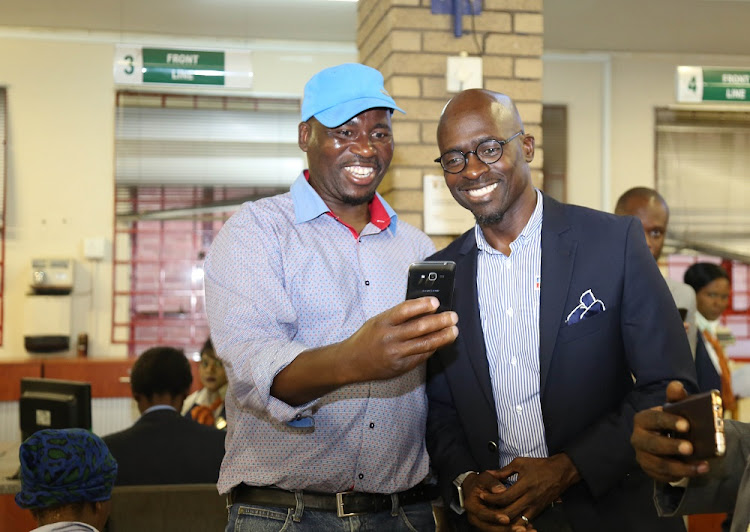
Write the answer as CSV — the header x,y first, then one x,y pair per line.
x,y
587,370
163,447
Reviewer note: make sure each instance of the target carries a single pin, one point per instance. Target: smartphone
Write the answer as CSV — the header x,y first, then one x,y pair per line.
x,y
432,278
683,313
705,413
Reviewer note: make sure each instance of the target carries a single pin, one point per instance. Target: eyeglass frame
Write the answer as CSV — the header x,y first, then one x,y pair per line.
x,y
474,151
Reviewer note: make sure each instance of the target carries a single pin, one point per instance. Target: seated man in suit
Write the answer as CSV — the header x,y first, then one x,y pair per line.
x,y
163,447
686,486
66,480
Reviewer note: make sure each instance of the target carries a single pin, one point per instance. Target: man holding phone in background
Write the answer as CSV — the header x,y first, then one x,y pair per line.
x,y
685,485
567,329
305,291
651,209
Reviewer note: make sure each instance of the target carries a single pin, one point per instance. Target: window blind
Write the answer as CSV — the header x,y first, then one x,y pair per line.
x,y
206,140
703,172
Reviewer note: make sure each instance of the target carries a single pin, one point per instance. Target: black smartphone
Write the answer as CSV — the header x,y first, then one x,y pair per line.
x,y
705,413
683,313
432,278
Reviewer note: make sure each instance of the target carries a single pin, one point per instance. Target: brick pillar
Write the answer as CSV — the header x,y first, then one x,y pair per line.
x,y
410,46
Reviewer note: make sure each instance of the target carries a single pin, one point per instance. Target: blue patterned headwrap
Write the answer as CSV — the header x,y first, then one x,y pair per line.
x,y
64,466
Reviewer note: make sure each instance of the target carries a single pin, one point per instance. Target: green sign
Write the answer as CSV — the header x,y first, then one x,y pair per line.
x,y
726,85
227,68
183,66
698,84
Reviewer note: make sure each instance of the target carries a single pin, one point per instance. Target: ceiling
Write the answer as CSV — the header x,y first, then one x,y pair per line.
x,y
667,26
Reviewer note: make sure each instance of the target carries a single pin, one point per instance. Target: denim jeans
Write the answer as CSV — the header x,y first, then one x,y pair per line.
x,y
250,518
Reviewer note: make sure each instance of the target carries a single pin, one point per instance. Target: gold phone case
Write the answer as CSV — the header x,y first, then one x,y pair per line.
x,y
705,413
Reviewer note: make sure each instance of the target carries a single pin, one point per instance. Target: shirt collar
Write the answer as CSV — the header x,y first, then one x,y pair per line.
x,y
308,205
532,227
705,324
158,407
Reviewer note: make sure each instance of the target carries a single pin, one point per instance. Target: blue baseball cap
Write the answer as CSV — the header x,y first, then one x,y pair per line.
x,y
336,94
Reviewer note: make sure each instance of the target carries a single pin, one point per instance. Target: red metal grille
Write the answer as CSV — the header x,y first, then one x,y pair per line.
x,y
161,237
737,315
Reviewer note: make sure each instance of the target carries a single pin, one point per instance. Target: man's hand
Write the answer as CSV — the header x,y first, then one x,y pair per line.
x,y
386,346
540,482
479,491
658,454
397,340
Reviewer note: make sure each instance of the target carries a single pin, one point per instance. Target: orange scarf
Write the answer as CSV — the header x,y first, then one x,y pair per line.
x,y
205,414
727,395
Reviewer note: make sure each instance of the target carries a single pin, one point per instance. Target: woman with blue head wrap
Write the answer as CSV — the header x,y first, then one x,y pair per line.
x,y
67,477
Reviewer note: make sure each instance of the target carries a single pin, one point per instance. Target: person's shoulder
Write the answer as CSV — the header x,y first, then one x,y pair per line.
x,y
456,247
192,426
583,220
580,212
678,287
409,231
119,438
263,211
190,401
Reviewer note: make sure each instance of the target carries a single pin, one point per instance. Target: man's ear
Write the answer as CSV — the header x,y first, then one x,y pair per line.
x,y
528,147
303,135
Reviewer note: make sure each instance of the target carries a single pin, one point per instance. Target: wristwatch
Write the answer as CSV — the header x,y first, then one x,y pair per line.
x,y
457,505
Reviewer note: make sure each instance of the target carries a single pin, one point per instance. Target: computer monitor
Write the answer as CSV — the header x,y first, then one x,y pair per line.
x,y
53,404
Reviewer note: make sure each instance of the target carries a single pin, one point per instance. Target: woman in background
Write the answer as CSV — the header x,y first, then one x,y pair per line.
x,y
206,406
712,288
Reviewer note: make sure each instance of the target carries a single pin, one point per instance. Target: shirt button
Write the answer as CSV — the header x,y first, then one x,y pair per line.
x,y
519,409
509,312
507,265
513,361
367,283
361,476
372,425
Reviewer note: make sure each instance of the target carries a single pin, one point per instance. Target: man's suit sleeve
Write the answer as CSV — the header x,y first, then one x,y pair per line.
x,y
446,442
656,351
716,492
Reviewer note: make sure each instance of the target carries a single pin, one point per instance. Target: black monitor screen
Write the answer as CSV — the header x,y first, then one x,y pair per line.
x,y
53,404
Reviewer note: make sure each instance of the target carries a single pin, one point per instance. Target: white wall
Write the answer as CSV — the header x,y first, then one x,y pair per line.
x,y
613,96
61,121
60,183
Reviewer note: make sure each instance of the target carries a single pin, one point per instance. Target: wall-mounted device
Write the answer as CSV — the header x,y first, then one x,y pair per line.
x,y
48,308
52,276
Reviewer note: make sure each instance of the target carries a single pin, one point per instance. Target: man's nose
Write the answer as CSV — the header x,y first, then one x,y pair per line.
x,y
363,146
474,166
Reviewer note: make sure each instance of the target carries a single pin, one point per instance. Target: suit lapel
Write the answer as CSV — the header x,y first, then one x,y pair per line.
x,y
467,306
558,255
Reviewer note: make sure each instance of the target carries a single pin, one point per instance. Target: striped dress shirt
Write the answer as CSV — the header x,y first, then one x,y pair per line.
x,y
284,276
508,293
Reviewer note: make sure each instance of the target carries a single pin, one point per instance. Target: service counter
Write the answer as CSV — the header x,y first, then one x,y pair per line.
x,y
109,377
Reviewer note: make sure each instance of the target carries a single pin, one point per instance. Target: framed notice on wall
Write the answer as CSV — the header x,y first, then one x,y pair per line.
x,y
442,215
137,65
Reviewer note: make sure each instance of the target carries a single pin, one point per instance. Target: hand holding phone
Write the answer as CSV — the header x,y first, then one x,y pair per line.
x,y
432,278
704,412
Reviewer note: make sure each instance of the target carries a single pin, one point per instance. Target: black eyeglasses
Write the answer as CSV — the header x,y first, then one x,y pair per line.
x,y
488,151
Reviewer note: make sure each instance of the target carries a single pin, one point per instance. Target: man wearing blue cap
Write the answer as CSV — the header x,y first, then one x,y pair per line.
x,y
326,404
67,477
